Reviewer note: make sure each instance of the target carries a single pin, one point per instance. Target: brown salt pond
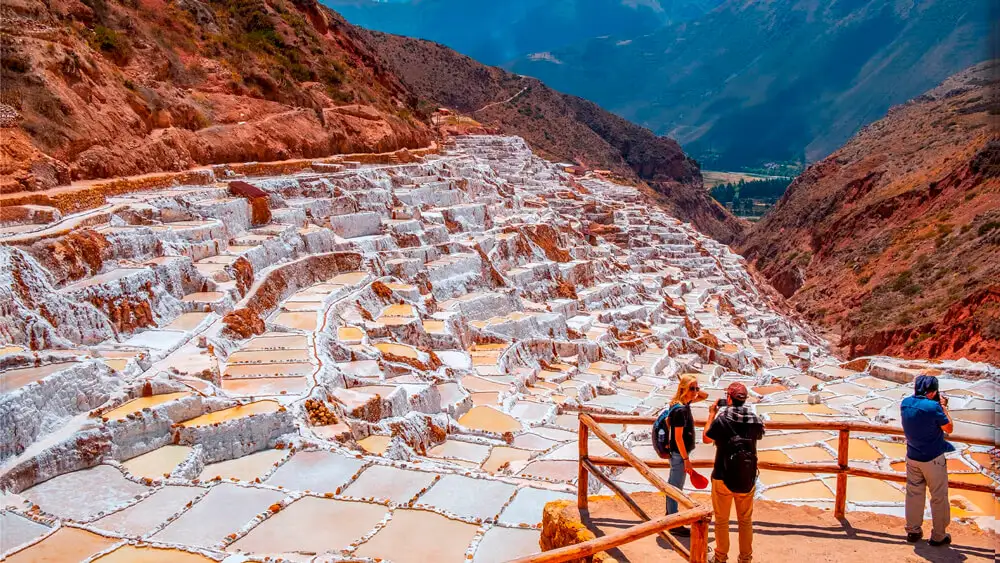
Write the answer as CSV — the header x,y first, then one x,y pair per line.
x,y
157,463
246,468
859,449
150,554
305,526
809,453
17,378
64,545
792,439
232,413
490,420
419,536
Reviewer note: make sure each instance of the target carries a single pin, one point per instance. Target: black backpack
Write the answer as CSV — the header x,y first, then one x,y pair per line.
x,y
661,433
739,466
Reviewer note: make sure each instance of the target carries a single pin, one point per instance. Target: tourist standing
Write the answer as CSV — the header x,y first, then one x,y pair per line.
x,y
674,436
925,423
735,429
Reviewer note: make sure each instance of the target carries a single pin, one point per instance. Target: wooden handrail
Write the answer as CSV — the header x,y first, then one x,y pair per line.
x,y
638,464
832,425
800,468
695,514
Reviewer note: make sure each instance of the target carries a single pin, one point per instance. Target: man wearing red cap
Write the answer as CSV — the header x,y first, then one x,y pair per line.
x,y
735,430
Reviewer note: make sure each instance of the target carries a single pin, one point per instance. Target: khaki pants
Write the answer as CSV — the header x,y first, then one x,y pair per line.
x,y
722,502
920,476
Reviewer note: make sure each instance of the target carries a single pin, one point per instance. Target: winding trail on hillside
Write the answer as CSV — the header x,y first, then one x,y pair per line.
x,y
510,99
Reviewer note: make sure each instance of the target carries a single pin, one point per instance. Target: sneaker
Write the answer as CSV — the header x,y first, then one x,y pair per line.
x,y
914,537
944,541
681,532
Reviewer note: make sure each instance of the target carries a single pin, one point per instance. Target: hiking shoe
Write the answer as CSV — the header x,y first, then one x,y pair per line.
x,y
914,537
944,541
681,532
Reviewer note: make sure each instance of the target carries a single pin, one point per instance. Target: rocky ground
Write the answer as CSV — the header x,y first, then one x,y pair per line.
x,y
225,365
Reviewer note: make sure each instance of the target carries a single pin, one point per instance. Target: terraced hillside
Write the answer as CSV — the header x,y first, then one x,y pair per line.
x,y
228,366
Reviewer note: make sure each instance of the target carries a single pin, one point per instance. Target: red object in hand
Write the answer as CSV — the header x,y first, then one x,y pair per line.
x,y
697,479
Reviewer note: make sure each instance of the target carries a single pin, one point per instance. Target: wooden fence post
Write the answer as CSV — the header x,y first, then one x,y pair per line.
x,y
840,507
699,541
582,490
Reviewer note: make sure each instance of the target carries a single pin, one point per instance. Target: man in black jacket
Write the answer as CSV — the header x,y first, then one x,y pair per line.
x,y
735,429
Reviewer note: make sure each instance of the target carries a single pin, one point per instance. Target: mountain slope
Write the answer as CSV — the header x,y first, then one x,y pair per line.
x,y
773,80
96,89
498,32
893,240
558,126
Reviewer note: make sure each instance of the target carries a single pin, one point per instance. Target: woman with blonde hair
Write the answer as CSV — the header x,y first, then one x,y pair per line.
x,y
674,437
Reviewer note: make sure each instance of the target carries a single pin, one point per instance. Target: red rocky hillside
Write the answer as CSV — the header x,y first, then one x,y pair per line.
x,y
893,242
101,88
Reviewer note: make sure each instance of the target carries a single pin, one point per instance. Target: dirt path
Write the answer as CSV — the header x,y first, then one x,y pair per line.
x,y
502,101
786,533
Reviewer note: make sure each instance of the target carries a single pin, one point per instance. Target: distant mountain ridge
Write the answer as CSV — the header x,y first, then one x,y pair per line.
x,y
892,243
557,126
498,32
773,80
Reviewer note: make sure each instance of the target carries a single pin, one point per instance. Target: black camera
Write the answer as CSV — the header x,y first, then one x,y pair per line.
x,y
722,403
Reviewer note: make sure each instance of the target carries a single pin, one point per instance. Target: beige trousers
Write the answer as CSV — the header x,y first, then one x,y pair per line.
x,y
722,502
920,476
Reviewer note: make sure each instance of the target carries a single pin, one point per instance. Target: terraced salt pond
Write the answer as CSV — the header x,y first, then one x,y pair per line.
x,y
432,415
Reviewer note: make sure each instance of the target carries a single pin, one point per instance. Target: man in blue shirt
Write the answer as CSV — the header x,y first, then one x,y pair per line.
x,y
925,423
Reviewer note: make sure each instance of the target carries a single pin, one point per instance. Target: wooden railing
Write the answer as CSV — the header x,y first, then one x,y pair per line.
x,y
691,513
697,515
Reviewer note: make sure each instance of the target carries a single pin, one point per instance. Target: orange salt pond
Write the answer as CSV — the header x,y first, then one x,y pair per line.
x,y
863,490
809,453
17,378
350,334
420,536
150,554
435,327
232,413
349,278
246,468
792,439
203,297
187,321
490,420
64,545
158,462
304,526
297,320
136,405
859,449
375,444
809,490
401,350
399,310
